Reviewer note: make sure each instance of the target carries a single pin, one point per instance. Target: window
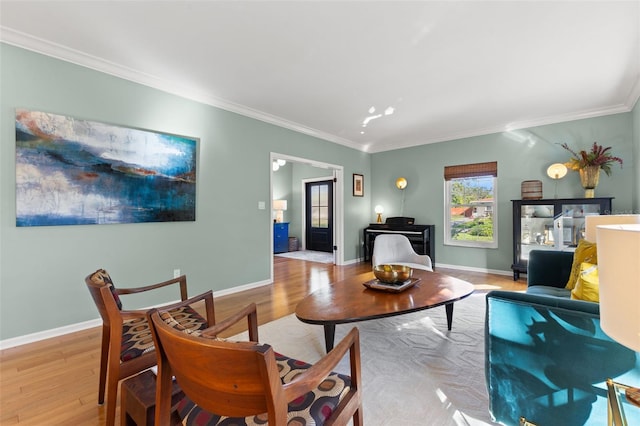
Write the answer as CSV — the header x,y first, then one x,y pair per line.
x,y
471,205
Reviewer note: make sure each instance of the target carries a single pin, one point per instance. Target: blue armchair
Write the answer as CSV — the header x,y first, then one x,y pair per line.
x,y
546,358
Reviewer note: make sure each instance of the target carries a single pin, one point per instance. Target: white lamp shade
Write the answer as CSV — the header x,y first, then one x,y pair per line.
x,y
279,204
557,171
592,221
619,272
378,209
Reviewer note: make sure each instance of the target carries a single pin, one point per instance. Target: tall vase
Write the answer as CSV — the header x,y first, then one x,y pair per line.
x,y
589,177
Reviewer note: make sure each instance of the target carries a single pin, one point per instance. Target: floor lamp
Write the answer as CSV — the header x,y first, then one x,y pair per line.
x,y
619,271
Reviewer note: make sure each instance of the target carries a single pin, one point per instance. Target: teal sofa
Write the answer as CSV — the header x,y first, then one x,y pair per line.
x,y
546,357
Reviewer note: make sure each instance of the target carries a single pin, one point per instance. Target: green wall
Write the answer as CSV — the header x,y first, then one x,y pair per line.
x,y
521,155
42,269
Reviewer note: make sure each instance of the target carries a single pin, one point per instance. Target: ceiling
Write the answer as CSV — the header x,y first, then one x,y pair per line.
x,y
374,76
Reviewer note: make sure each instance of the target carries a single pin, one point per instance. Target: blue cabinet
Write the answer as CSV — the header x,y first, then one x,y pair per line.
x,y
280,237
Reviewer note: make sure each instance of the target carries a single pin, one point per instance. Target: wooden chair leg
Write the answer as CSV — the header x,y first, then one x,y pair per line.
x,y
113,378
357,418
112,394
104,358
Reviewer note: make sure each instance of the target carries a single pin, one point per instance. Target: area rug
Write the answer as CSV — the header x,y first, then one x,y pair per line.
x,y
309,255
414,371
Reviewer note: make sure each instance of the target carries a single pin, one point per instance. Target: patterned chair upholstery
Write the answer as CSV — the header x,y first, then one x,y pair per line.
x,y
247,383
127,344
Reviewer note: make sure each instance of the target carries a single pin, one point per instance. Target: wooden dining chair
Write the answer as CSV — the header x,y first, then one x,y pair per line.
x,y
127,345
248,381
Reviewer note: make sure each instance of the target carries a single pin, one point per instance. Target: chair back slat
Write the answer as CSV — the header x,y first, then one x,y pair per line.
x,y
227,378
104,300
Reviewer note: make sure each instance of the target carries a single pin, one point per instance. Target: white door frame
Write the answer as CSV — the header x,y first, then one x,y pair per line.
x,y
338,202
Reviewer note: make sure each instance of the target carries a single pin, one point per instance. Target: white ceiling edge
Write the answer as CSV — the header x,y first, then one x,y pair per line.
x,y
542,121
57,51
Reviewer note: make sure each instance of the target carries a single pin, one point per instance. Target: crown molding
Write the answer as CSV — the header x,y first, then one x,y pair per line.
x,y
634,95
57,51
535,122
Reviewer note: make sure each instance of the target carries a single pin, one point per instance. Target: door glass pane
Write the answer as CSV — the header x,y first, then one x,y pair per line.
x,y
320,206
324,195
323,220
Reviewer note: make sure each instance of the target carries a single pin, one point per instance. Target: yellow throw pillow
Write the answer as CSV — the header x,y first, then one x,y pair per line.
x,y
587,286
585,252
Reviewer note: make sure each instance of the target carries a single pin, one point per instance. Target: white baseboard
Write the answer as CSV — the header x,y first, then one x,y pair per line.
x,y
244,287
47,334
72,328
474,269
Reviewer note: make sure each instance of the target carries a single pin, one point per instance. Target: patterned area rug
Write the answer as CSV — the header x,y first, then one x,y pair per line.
x,y
414,371
309,255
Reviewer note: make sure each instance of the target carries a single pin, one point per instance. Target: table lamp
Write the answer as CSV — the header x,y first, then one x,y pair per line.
x,y
619,272
556,171
593,221
379,210
279,206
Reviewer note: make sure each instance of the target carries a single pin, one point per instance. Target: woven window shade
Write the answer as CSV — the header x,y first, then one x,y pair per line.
x,y
471,170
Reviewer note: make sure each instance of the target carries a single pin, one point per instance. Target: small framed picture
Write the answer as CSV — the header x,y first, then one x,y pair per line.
x,y
358,185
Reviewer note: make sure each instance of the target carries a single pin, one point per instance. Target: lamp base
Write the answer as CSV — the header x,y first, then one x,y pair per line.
x,y
615,412
379,219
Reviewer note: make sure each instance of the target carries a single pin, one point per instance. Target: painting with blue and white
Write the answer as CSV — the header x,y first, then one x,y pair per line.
x,y
77,172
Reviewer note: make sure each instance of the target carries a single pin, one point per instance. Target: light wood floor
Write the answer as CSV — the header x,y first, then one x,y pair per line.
x,y
55,381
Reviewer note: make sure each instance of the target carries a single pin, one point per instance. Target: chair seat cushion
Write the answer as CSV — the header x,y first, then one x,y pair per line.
x,y
545,290
136,335
312,408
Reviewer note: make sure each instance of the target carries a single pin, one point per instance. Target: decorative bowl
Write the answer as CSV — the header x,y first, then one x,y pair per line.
x,y
392,274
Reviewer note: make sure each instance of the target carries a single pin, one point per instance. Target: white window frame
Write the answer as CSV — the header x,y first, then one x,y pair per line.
x,y
447,216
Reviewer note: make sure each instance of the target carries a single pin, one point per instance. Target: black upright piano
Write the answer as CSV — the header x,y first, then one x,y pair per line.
x,y
421,236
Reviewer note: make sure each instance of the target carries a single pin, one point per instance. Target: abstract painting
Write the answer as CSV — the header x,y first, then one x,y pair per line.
x,y
78,172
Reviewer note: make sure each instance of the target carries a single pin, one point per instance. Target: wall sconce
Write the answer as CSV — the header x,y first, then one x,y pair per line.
x,y
279,206
556,171
401,184
379,210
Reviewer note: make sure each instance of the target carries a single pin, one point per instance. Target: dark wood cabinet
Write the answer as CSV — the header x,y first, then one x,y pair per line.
x,y
280,237
550,224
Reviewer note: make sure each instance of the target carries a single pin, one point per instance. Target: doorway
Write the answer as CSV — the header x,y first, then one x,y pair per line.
x,y
297,201
319,216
